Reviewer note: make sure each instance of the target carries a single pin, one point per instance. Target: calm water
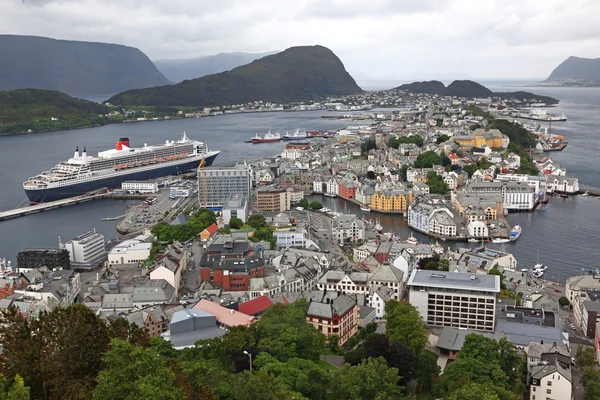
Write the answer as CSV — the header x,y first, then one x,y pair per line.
x,y
565,234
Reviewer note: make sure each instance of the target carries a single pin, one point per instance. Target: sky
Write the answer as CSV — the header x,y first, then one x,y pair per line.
x,y
375,39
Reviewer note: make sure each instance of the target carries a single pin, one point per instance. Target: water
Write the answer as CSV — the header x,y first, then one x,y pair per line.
x,y
565,234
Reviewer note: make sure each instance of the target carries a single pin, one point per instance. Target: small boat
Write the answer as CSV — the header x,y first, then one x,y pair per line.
x,y
500,240
473,240
113,218
365,209
515,233
585,194
412,240
538,270
378,228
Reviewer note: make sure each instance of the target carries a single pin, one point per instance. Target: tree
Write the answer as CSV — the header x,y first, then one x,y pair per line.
x,y
496,271
263,234
442,139
585,357
371,175
372,379
591,383
436,183
13,389
470,169
120,328
135,373
235,223
304,203
300,376
563,301
403,171
257,221
315,205
444,264
404,325
257,386
426,369
431,265
367,146
428,159
474,391
396,356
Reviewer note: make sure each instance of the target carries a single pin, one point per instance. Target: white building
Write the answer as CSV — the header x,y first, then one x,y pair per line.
x,y
477,229
221,182
86,249
455,299
562,184
140,186
348,227
235,207
451,179
132,251
363,251
537,183
551,378
179,191
332,187
290,238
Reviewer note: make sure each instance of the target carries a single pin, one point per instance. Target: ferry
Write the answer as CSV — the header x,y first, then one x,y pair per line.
x,y
83,173
515,233
268,138
295,136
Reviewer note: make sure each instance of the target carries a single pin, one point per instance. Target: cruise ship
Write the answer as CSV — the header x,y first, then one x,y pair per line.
x,y
83,173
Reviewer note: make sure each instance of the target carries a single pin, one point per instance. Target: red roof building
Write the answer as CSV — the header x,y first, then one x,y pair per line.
x,y
208,232
256,306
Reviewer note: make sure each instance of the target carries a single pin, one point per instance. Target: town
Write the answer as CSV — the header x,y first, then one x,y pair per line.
x,y
210,255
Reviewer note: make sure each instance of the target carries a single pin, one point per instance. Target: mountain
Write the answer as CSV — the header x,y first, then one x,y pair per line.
x,y
181,70
297,74
428,87
577,69
43,110
77,68
471,89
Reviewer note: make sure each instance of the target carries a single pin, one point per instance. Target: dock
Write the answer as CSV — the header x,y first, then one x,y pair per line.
x,y
51,205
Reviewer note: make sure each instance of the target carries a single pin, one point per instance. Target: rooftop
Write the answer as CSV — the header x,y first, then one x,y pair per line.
x,y
454,338
455,280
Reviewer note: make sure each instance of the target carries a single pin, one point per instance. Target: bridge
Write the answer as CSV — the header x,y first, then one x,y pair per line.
x,y
23,211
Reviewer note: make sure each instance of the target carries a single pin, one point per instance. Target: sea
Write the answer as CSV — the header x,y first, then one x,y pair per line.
x,y
564,237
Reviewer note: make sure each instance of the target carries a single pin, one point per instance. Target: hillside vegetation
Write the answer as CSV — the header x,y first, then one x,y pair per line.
x,y
34,109
577,69
73,67
296,74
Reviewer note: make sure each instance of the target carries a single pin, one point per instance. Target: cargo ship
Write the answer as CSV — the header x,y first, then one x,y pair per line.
x,y
84,173
295,136
268,138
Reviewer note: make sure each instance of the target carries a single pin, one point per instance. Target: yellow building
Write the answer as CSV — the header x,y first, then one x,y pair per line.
x,y
480,137
391,201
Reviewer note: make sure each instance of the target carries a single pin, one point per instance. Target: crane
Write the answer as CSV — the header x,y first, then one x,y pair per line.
x,y
203,177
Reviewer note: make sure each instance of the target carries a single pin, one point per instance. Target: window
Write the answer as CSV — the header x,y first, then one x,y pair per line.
x,y
550,382
534,388
549,391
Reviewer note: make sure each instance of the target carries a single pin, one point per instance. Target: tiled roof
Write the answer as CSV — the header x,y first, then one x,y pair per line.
x,y
224,315
255,306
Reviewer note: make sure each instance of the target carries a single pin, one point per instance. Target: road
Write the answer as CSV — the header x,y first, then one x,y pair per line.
x,y
320,231
190,277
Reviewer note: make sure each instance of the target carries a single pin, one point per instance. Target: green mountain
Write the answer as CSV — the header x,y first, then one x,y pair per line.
x,y
178,70
77,68
296,74
576,69
36,110
470,89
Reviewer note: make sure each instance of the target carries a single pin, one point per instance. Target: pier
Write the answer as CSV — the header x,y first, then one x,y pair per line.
x,y
36,208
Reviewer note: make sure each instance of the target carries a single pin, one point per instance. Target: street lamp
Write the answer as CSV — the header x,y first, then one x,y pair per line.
x,y
249,355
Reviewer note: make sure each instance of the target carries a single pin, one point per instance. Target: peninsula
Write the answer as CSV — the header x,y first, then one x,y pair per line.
x,y
576,71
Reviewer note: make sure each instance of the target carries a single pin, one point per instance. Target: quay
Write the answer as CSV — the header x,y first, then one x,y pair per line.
x,y
36,208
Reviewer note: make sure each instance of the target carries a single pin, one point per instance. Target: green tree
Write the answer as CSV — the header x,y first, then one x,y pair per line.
x,y
370,380
135,373
496,271
591,383
315,205
444,264
120,328
304,203
257,386
585,357
431,265
13,389
474,391
436,183
300,376
257,221
563,301
235,223
470,169
428,159
405,326
264,234
427,369
442,139
403,171
367,146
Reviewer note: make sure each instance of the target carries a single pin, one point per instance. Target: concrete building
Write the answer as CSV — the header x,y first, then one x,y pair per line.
x,y
578,290
86,249
295,237
177,192
348,227
455,299
538,183
56,288
153,292
552,378
517,196
334,314
189,326
28,259
477,229
273,200
132,251
144,187
221,182
236,206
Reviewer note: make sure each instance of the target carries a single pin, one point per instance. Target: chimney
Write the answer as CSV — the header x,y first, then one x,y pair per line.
x,y
84,154
76,155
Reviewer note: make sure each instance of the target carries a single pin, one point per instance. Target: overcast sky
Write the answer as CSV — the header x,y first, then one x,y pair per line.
x,y
379,39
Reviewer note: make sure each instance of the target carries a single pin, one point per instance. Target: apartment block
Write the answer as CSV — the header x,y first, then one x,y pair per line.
x,y
218,183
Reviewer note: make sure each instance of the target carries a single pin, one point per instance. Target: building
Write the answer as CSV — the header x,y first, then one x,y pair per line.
x,y
347,189
36,258
348,227
56,288
476,208
218,183
87,249
391,200
432,218
295,195
563,184
256,306
236,206
295,237
170,264
455,299
491,138
551,378
131,251
517,196
144,187
225,317
580,289
189,326
538,183
208,232
154,319
153,292
590,315
177,192
451,342
274,200
334,314
477,229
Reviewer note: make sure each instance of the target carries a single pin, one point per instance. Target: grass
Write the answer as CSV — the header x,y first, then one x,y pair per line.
x,y
325,366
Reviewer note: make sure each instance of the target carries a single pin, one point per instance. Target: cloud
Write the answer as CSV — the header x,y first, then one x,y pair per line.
x,y
390,39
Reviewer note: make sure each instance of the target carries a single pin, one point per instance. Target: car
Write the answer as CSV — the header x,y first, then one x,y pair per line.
x,y
572,326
